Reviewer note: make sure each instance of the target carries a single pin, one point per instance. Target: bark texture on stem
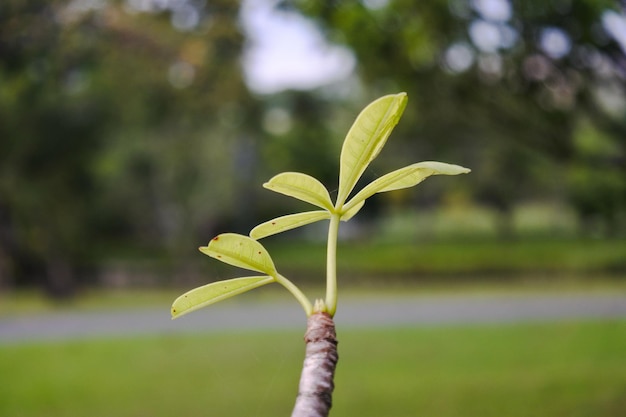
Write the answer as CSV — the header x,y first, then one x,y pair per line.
x,y
318,371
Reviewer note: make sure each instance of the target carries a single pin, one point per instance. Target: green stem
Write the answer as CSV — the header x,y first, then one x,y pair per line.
x,y
295,291
331,265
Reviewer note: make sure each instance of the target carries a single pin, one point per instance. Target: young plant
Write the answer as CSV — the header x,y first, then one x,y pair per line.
x,y
363,143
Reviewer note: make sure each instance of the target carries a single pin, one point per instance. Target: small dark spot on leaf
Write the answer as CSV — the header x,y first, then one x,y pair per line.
x,y
219,256
259,252
216,238
273,223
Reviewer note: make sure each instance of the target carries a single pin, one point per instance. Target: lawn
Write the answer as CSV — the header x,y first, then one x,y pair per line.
x,y
421,259
465,257
550,369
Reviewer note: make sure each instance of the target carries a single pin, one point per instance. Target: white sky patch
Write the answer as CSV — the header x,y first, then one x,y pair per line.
x,y
615,24
287,51
494,10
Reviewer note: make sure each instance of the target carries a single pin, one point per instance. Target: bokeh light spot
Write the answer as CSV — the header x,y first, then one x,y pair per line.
x,y
181,74
555,42
459,57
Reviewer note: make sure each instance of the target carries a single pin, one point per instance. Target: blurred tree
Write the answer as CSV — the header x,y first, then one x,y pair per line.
x,y
297,126
118,120
128,123
508,81
50,136
596,181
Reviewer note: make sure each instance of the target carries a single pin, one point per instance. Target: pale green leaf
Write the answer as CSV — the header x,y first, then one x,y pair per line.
x,y
301,186
284,223
350,213
366,138
404,178
241,251
214,292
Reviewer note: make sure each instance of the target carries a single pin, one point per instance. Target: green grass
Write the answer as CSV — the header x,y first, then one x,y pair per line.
x,y
25,302
460,257
556,369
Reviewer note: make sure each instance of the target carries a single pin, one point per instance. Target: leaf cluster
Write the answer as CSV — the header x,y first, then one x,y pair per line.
x,y
363,143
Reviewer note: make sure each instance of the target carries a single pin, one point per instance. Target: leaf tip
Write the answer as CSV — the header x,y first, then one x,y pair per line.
x,y
403,97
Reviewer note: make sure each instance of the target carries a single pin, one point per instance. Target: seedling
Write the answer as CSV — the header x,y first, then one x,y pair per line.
x,y
363,143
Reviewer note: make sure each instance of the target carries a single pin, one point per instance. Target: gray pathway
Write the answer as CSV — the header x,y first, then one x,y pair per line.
x,y
352,313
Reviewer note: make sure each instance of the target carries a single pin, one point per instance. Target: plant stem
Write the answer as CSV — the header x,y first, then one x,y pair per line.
x,y
295,291
318,370
331,264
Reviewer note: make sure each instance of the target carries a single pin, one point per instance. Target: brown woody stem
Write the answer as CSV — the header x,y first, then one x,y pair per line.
x,y
318,371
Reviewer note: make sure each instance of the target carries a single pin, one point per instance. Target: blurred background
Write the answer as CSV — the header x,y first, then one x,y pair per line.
x,y
133,131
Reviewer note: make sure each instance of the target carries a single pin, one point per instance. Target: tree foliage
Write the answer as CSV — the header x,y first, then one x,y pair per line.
x,y
128,124
513,81
114,124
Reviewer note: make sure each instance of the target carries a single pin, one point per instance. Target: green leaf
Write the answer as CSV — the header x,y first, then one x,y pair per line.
x,y
404,178
284,223
214,292
241,251
366,138
301,186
